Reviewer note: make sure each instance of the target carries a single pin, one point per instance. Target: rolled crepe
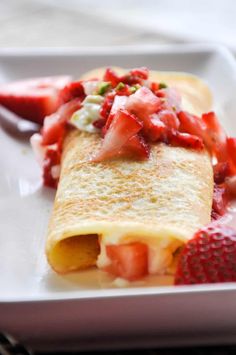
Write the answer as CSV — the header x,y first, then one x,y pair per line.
x,y
161,201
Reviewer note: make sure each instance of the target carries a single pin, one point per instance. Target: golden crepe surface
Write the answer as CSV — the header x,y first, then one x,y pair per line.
x,y
161,201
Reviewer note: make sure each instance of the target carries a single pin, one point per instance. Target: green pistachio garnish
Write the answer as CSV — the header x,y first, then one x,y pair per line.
x,y
103,87
162,86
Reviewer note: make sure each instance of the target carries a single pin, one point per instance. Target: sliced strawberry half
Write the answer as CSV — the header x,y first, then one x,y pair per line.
x,y
122,128
33,99
209,257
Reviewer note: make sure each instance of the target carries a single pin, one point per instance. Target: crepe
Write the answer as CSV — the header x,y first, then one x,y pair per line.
x,y
161,201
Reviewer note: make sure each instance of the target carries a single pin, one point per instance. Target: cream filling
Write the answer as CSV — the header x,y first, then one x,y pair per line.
x,y
160,251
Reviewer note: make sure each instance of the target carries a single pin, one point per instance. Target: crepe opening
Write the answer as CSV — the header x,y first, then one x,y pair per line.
x,y
74,253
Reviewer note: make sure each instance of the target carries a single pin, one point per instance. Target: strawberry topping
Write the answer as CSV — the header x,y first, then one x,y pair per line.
x,y
123,126
209,257
220,201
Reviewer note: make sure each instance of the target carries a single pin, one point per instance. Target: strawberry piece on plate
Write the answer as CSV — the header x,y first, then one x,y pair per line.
x,y
209,257
123,126
33,99
129,261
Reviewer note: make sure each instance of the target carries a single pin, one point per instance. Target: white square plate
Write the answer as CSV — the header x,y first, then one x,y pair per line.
x,y
44,309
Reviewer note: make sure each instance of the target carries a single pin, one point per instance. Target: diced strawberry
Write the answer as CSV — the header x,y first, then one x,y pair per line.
x,y
33,99
142,73
53,130
230,185
220,201
231,152
143,103
100,123
154,86
155,130
221,171
73,90
169,118
215,138
111,77
123,126
191,124
123,90
107,105
54,125
172,98
209,257
129,261
185,140
118,103
52,158
135,147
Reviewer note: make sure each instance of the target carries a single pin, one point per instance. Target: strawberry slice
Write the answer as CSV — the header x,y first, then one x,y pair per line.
x,y
185,140
55,124
209,257
143,103
33,99
129,261
123,126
